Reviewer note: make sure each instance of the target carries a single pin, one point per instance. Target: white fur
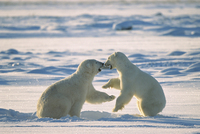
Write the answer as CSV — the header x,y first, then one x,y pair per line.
x,y
134,82
68,95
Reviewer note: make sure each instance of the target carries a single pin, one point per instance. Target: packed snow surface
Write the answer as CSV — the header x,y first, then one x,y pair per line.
x,y
43,42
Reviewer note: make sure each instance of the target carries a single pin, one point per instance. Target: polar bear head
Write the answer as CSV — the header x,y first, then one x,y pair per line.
x,y
90,66
113,60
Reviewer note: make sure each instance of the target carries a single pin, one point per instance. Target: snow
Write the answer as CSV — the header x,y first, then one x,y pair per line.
x,y
43,42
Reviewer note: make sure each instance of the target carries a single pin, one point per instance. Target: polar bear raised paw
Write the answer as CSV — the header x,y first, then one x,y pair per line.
x,y
112,83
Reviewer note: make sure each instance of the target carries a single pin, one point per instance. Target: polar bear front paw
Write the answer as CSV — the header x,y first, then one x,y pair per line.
x,y
115,110
105,86
110,98
118,108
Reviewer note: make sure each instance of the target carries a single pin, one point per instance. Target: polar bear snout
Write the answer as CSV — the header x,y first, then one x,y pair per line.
x,y
101,66
108,65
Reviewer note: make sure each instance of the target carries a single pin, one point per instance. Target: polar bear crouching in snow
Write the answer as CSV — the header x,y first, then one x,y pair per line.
x,y
67,96
134,82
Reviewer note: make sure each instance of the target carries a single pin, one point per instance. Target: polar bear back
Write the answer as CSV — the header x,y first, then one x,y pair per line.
x,y
73,84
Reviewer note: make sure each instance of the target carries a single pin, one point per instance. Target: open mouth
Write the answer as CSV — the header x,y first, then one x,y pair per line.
x,y
107,67
99,69
110,66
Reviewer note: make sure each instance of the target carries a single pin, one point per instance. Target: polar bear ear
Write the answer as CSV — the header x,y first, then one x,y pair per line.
x,y
115,54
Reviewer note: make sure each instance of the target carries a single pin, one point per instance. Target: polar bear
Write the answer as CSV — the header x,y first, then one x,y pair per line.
x,y
134,82
67,96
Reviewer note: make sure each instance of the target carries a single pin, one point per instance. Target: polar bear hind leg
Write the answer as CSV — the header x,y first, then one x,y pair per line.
x,y
139,107
56,107
76,109
148,108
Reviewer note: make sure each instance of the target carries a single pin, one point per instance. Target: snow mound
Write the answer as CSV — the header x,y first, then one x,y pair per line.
x,y
130,24
126,25
95,115
138,55
196,53
135,120
194,67
12,115
171,71
52,70
10,51
176,53
16,116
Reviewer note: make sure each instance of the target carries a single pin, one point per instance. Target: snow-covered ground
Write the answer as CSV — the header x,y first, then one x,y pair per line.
x,y
43,42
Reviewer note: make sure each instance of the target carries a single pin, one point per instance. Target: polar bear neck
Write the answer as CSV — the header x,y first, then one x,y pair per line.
x,y
123,64
85,76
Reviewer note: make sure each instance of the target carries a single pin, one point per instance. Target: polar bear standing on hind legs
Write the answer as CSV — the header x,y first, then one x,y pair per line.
x,y
67,96
134,82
